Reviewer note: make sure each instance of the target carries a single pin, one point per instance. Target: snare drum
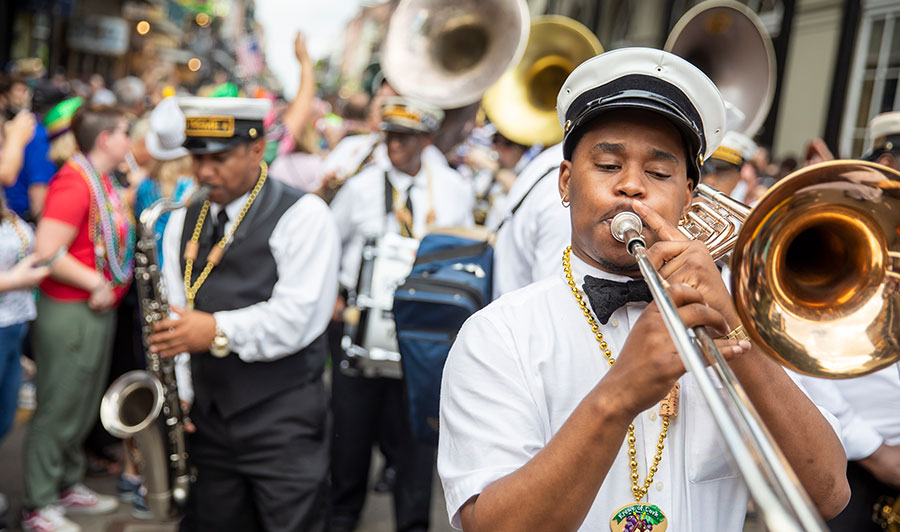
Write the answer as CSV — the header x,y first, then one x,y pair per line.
x,y
370,336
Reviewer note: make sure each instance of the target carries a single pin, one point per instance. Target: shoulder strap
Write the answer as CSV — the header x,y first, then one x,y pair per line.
x,y
521,201
388,194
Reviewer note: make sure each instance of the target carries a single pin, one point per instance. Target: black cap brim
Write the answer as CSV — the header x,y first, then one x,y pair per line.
x,y
205,145
642,93
396,128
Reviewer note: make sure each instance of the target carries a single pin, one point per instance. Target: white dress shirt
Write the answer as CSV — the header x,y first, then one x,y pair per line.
x,y
500,206
530,242
350,153
868,408
360,211
518,370
306,247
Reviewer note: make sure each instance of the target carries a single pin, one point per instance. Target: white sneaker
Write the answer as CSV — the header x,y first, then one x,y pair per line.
x,y
48,519
79,499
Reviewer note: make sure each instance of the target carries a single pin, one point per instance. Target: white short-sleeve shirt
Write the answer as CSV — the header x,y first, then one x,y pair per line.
x,y
868,408
518,370
360,211
529,241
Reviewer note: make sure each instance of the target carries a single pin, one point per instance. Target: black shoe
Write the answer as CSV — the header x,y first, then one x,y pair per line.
x,y
386,481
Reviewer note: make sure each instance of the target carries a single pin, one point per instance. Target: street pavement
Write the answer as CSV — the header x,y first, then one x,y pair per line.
x,y
377,514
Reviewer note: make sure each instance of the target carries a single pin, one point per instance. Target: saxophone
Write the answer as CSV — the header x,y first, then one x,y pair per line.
x,y
144,405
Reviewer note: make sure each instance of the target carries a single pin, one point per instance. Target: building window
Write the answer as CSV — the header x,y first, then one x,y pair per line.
x,y
874,87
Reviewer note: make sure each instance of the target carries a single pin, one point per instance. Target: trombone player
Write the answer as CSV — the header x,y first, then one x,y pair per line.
x,y
564,405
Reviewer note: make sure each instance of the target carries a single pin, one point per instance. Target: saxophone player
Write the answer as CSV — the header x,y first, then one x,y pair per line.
x,y
252,277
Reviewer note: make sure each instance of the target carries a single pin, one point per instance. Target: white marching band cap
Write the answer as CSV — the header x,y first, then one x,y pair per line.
x,y
220,124
649,79
166,136
402,114
735,148
884,132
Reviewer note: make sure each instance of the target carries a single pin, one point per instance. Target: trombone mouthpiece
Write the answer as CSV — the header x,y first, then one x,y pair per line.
x,y
623,223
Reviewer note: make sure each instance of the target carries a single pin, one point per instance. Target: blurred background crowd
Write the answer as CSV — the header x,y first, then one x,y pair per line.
x,y
837,63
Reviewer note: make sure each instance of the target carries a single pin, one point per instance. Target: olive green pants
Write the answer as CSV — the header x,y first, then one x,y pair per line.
x,y
72,347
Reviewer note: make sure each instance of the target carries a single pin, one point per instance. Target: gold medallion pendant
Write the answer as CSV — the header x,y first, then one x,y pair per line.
x,y
638,517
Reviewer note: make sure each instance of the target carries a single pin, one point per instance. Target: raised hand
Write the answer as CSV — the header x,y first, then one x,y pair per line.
x,y
300,50
20,129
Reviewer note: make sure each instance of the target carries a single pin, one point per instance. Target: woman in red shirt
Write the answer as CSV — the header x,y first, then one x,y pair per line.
x,y
74,330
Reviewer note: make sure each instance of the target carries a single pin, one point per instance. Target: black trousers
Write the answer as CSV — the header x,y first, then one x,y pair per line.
x,y
864,493
365,411
264,469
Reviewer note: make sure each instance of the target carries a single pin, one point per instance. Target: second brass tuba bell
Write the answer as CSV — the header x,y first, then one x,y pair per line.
x,y
522,103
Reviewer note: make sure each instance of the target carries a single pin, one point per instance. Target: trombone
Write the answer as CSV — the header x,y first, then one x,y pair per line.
x,y
818,258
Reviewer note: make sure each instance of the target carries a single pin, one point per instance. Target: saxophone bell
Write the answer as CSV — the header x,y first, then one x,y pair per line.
x,y
144,405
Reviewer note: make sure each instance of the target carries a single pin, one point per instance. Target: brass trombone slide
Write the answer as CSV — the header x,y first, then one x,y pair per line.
x,y
818,258
744,435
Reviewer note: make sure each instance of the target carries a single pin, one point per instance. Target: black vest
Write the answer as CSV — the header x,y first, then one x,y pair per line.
x,y
245,276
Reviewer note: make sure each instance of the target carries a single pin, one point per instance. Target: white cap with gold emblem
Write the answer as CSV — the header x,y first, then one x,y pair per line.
x,y
884,134
648,79
220,124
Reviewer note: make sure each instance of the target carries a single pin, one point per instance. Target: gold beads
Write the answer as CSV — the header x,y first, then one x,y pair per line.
x,y
638,491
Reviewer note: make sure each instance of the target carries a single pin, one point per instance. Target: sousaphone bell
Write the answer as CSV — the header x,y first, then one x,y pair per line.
x,y
728,42
522,103
448,53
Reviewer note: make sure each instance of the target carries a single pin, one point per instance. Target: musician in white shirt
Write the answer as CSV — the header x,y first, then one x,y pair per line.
x,y
539,390
409,197
530,239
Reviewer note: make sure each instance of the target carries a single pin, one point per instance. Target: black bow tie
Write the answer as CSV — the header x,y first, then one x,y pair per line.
x,y
608,296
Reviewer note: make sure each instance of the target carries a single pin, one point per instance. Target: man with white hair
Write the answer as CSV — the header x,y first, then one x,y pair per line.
x,y
131,95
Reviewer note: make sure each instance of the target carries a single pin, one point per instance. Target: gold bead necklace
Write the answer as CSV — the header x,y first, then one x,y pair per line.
x,y
639,491
215,254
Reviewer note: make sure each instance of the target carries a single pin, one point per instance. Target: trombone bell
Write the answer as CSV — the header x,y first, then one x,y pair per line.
x,y
816,270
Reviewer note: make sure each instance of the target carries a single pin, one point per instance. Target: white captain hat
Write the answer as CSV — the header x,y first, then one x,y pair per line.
x,y
734,149
220,124
648,79
884,132
406,115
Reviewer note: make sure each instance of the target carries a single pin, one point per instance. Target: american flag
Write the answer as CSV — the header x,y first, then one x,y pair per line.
x,y
249,57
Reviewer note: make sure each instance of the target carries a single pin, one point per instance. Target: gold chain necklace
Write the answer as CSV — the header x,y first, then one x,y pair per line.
x,y
639,491
215,254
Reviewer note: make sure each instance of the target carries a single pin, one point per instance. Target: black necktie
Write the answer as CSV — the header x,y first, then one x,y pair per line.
x,y
219,227
608,296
